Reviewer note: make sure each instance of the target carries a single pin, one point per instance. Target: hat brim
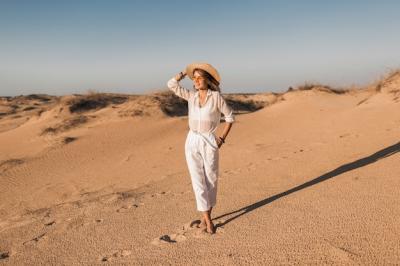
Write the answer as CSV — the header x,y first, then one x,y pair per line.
x,y
204,66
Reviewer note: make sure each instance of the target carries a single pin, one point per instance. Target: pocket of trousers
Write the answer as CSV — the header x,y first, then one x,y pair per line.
x,y
214,141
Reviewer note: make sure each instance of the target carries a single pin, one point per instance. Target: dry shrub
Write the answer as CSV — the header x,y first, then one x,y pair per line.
x,y
308,86
94,101
387,78
321,87
171,104
247,106
40,97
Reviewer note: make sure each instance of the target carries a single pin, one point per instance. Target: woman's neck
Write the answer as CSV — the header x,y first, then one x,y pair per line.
x,y
203,93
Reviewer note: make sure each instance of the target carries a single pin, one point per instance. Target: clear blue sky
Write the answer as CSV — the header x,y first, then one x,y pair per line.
x,y
64,47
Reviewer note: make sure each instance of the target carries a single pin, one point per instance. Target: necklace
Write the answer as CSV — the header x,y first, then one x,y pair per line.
x,y
204,99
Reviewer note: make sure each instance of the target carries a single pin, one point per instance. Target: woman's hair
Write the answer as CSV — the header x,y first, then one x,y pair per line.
x,y
211,82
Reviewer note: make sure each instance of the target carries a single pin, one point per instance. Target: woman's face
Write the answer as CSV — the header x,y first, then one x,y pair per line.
x,y
199,81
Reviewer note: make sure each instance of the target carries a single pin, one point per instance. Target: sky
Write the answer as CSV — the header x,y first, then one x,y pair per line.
x,y
64,47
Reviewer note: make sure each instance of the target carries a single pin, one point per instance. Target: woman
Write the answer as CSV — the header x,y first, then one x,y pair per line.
x,y
202,145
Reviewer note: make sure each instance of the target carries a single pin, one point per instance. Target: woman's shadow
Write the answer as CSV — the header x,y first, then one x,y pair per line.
x,y
388,151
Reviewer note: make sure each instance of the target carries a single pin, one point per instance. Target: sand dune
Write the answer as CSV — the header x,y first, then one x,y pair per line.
x,y
306,176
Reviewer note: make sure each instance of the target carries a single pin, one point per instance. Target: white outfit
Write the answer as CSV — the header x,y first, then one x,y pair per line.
x,y
201,148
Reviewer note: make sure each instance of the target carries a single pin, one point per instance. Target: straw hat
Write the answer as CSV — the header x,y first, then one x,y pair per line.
x,y
204,66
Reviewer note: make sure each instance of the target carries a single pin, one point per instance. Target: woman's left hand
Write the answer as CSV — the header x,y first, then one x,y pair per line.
x,y
219,141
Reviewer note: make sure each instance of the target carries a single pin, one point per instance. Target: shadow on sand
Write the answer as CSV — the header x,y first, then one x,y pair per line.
x,y
388,151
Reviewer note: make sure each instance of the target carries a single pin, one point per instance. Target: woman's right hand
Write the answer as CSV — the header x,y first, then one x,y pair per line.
x,y
180,75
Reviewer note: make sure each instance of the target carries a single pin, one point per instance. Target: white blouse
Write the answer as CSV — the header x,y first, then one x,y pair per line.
x,y
205,119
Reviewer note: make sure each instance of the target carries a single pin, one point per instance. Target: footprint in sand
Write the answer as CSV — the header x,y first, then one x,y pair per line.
x,y
233,171
74,222
4,255
42,212
261,146
301,150
183,192
166,239
49,223
251,166
124,195
159,194
35,239
110,198
91,222
127,207
278,158
116,254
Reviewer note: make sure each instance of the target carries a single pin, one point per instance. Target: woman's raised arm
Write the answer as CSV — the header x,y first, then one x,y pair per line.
x,y
173,85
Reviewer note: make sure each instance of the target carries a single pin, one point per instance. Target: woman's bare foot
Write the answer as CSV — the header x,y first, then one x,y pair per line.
x,y
202,223
211,228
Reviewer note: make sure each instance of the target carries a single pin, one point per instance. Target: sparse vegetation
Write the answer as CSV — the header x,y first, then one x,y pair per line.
x,y
321,87
40,97
387,78
171,104
308,86
94,101
244,106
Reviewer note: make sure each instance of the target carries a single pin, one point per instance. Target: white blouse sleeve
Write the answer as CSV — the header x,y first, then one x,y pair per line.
x,y
225,109
174,86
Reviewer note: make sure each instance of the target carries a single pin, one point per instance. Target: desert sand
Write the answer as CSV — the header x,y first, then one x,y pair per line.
x,y
309,176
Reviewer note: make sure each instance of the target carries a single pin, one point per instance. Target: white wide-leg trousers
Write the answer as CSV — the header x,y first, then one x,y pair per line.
x,y
202,157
